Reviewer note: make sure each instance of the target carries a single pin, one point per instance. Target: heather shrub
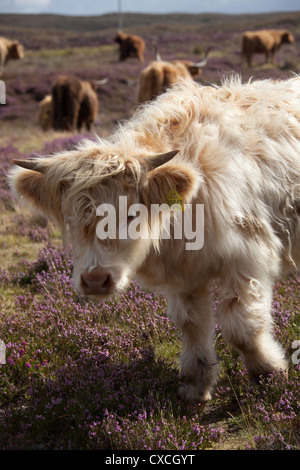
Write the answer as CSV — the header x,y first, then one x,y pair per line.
x,y
92,377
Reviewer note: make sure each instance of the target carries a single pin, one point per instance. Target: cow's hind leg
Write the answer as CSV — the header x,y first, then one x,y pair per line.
x,y
193,314
246,322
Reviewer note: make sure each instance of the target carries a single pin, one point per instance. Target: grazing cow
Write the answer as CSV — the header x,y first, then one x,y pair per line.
x,y
130,46
232,150
74,102
266,42
160,75
9,49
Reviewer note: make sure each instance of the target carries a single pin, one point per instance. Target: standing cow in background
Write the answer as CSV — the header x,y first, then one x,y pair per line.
x,y
266,42
130,46
233,150
160,75
75,102
9,49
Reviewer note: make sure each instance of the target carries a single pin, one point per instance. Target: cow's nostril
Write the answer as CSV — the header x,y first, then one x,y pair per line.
x,y
95,282
107,283
83,284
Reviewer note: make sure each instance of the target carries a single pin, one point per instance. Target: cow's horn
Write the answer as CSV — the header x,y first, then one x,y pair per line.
x,y
157,160
200,64
157,54
101,82
30,165
203,62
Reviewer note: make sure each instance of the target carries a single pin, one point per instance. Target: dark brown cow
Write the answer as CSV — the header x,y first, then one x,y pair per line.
x,y
266,42
9,49
130,46
75,102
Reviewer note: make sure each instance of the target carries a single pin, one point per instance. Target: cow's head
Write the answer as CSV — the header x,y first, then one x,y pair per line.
x,y
287,37
195,68
78,188
16,50
120,37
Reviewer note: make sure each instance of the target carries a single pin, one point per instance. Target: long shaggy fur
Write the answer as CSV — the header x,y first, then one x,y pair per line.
x,y
239,147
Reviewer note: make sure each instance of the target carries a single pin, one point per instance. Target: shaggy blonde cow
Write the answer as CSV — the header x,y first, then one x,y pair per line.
x,y
9,49
266,42
232,151
160,75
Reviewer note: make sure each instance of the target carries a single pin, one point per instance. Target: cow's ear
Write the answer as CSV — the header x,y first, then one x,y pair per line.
x,y
33,187
182,178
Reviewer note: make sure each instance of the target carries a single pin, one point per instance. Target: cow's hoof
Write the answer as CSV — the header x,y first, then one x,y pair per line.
x,y
190,393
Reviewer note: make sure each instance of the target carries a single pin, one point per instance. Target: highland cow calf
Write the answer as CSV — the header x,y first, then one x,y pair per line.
x,y
231,150
74,102
9,49
266,42
130,45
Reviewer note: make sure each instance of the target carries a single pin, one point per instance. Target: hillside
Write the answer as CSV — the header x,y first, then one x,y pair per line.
x,y
103,27
142,21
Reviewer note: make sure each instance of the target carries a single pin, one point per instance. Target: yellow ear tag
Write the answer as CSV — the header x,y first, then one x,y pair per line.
x,y
175,201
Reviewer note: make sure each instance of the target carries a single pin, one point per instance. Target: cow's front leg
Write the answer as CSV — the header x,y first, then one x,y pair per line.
x,y
193,314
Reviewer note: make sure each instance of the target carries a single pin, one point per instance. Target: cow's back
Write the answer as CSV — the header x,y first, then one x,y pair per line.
x,y
260,41
179,71
158,77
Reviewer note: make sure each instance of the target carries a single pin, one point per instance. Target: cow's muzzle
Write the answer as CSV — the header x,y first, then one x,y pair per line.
x,y
96,282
